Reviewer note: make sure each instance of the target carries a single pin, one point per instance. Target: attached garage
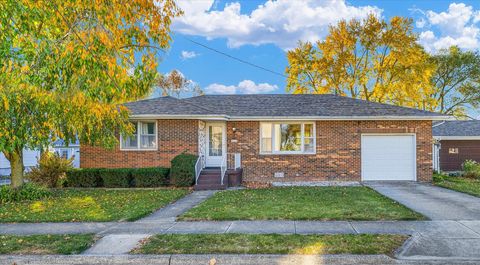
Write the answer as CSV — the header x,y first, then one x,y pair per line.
x,y
388,157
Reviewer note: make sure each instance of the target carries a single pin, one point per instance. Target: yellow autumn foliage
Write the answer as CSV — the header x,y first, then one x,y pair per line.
x,y
369,59
66,65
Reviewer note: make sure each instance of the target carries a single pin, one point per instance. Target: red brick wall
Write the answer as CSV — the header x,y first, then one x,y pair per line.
x,y
174,137
337,152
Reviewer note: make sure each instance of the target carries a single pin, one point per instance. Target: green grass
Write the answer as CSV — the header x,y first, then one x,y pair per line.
x,y
466,185
270,244
46,244
301,203
88,205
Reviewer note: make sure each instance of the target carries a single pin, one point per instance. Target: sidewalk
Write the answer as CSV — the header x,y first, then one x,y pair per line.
x,y
221,259
438,239
445,229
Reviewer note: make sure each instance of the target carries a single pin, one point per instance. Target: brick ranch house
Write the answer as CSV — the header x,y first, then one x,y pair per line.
x,y
278,138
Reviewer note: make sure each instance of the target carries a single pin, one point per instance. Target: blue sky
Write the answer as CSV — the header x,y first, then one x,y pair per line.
x,y
261,32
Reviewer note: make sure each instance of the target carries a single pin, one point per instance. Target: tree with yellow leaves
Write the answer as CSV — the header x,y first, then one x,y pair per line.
x,y
66,65
369,59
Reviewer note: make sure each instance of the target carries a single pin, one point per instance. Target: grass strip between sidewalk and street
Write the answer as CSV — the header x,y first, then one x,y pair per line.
x,y
270,244
45,244
91,205
300,203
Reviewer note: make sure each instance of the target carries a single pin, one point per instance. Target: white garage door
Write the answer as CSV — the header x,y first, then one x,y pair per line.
x,y
388,157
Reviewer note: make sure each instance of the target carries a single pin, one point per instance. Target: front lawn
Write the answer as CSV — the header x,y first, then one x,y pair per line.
x,y
46,244
301,203
466,185
270,244
88,205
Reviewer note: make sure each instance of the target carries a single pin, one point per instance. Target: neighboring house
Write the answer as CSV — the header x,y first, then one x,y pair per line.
x,y
30,157
278,138
67,152
456,141
29,160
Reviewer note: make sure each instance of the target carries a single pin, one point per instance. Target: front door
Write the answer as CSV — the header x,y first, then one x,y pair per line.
x,y
216,144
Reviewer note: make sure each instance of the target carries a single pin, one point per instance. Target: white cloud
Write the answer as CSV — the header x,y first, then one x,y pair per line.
x,y
185,55
220,89
282,22
457,26
243,87
420,23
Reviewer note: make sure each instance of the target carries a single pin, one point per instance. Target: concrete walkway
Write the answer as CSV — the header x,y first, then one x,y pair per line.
x,y
221,259
434,202
443,229
121,238
115,244
170,212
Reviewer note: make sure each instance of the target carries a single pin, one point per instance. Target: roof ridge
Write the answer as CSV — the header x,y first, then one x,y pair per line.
x,y
386,104
149,99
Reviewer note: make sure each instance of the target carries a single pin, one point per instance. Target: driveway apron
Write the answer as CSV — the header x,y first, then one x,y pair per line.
x,y
454,231
434,202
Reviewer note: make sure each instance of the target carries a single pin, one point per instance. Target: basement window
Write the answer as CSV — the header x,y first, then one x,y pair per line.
x,y
144,137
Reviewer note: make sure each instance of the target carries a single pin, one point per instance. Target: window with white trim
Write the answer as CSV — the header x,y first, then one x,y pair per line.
x,y
287,138
144,137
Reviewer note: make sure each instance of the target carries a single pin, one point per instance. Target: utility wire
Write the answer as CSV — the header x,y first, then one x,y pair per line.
x,y
236,58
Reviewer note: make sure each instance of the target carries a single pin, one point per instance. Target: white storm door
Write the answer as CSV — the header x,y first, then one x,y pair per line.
x,y
216,144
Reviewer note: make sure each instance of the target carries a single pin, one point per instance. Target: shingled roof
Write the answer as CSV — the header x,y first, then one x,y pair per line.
x,y
457,128
273,105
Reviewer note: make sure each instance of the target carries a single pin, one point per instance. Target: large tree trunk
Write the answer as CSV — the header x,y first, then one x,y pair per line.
x,y
16,166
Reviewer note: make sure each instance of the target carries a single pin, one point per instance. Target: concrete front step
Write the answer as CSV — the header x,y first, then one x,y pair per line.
x,y
210,179
210,175
209,182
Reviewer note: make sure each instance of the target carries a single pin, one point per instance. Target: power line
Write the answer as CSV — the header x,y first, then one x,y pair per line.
x,y
236,58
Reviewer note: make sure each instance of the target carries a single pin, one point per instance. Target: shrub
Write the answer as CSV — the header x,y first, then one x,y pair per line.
x,y
150,177
182,171
116,177
50,171
84,178
27,192
471,169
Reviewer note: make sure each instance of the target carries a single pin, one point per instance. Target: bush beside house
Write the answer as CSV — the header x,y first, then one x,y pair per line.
x,y
150,177
118,177
181,174
50,171
182,171
27,192
84,178
471,169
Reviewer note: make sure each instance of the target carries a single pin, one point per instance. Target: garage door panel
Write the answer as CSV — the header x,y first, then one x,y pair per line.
x,y
388,157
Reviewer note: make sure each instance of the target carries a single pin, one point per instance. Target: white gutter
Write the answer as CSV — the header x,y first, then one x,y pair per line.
x,y
456,138
286,118
179,117
339,118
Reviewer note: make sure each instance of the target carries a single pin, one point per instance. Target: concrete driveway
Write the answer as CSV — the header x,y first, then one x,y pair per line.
x,y
434,202
459,213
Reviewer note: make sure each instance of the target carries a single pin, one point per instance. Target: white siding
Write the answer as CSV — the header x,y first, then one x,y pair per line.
x,y
29,159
